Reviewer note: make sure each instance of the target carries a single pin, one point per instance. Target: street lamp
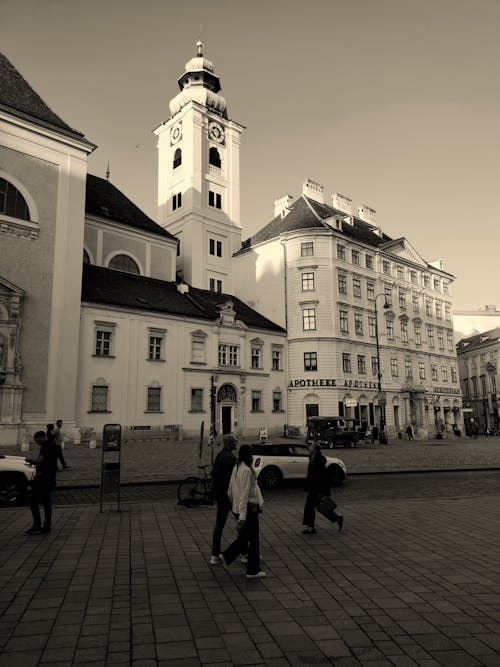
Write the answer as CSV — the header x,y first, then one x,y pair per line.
x,y
382,438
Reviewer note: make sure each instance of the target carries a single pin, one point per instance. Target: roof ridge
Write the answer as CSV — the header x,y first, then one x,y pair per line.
x,y
311,208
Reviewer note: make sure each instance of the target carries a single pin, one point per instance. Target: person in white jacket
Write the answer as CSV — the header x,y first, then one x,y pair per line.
x,y
246,499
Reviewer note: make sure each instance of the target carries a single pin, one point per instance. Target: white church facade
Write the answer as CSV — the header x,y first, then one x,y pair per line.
x,y
172,323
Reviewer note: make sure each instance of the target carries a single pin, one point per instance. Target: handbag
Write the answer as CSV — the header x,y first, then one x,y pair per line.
x,y
254,508
326,505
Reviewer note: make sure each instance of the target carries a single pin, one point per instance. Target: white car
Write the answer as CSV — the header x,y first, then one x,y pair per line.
x,y
274,463
15,477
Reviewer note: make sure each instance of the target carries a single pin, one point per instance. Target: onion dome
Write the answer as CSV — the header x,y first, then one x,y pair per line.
x,y
199,84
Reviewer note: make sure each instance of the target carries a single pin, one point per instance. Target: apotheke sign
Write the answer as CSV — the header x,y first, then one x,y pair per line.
x,y
326,382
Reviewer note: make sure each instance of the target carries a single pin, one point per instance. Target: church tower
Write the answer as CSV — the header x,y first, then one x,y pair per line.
x,y
199,178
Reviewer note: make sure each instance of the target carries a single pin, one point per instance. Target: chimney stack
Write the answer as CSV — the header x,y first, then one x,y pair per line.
x,y
342,203
367,213
313,190
282,205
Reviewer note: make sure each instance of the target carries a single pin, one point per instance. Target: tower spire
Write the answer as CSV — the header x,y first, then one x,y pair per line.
x,y
107,172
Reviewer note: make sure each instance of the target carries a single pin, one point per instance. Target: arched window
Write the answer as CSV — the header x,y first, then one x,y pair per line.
x,y
12,203
124,263
86,258
214,157
177,158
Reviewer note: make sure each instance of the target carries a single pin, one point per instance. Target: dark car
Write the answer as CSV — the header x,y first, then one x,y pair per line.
x,y
334,431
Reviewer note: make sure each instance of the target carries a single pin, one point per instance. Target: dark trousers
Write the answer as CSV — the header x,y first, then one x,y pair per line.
x,y
248,540
40,493
223,509
310,506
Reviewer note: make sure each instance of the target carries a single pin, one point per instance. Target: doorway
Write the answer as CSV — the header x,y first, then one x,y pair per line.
x,y
227,419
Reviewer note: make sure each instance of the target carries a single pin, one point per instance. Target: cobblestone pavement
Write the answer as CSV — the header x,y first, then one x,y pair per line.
x,y
168,461
406,583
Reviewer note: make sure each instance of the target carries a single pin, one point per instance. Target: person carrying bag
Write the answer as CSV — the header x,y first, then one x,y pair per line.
x,y
318,493
246,499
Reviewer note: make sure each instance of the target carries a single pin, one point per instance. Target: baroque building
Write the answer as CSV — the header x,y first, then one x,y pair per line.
x,y
478,358
345,289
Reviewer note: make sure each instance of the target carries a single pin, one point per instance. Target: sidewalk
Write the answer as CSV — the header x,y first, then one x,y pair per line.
x,y
171,461
407,583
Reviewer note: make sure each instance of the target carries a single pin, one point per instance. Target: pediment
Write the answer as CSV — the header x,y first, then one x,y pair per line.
x,y
403,249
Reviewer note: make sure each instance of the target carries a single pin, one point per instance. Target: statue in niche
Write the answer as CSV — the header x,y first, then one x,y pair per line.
x,y
18,363
3,353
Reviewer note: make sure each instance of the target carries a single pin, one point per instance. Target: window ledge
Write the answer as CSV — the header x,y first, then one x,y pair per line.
x,y
191,412
161,361
278,370
19,227
256,412
198,363
104,356
98,412
153,412
278,412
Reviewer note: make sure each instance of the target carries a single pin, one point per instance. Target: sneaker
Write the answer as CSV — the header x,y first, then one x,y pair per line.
x,y
214,560
34,530
309,531
45,530
222,560
244,559
259,575
340,522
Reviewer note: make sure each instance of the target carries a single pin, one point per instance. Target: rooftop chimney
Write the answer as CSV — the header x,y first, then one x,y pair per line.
x,y
342,203
282,205
367,213
313,190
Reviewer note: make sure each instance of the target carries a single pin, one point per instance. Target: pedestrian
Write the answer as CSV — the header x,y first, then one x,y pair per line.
x,y
221,476
317,486
42,483
409,432
247,503
59,437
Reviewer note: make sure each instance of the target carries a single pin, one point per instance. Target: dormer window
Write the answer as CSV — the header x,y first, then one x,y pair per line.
x,y
177,158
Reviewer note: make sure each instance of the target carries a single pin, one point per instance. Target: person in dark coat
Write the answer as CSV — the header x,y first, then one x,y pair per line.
x,y
221,474
317,486
42,483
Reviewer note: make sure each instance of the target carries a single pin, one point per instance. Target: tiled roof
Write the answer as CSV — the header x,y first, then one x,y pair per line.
x,y
117,288
305,213
106,201
18,98
480,339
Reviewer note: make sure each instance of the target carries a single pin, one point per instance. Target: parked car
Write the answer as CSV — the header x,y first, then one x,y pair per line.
x,y
334,431
15,477
274,463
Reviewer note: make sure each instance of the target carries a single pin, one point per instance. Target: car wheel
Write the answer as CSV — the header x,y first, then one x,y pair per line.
x,y
336,475
330,444
270,477
13,489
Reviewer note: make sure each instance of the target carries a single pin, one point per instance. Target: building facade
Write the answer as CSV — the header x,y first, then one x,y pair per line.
x,y
96,324
478,358
344,285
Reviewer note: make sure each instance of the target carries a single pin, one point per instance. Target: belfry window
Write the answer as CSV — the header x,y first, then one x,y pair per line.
x,y
214,158
12,203
177,158
124,263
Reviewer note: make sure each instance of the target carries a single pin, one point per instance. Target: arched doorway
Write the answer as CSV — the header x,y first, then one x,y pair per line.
x,y
227,403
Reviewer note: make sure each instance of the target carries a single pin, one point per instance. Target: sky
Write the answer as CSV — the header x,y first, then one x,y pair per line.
x,y
394,103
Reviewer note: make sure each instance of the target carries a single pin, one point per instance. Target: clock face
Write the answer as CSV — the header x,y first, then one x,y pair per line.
x,y
175,134
216,132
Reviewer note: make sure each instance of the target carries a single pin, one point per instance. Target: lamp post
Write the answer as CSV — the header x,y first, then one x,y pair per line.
x,y
382,438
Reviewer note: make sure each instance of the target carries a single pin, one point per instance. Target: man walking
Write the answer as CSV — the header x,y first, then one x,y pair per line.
x,y
41,486
221,474
59,438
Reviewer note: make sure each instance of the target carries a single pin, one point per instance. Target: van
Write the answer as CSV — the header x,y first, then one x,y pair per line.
x,y
334,431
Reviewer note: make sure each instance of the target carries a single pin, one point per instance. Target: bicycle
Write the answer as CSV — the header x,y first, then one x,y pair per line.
x,y
194,491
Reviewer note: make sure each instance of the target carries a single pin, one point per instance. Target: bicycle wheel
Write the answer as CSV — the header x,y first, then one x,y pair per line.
x,y
191,492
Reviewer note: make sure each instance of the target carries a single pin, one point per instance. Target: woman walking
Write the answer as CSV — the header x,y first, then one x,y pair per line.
x,y
247,502
317,486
